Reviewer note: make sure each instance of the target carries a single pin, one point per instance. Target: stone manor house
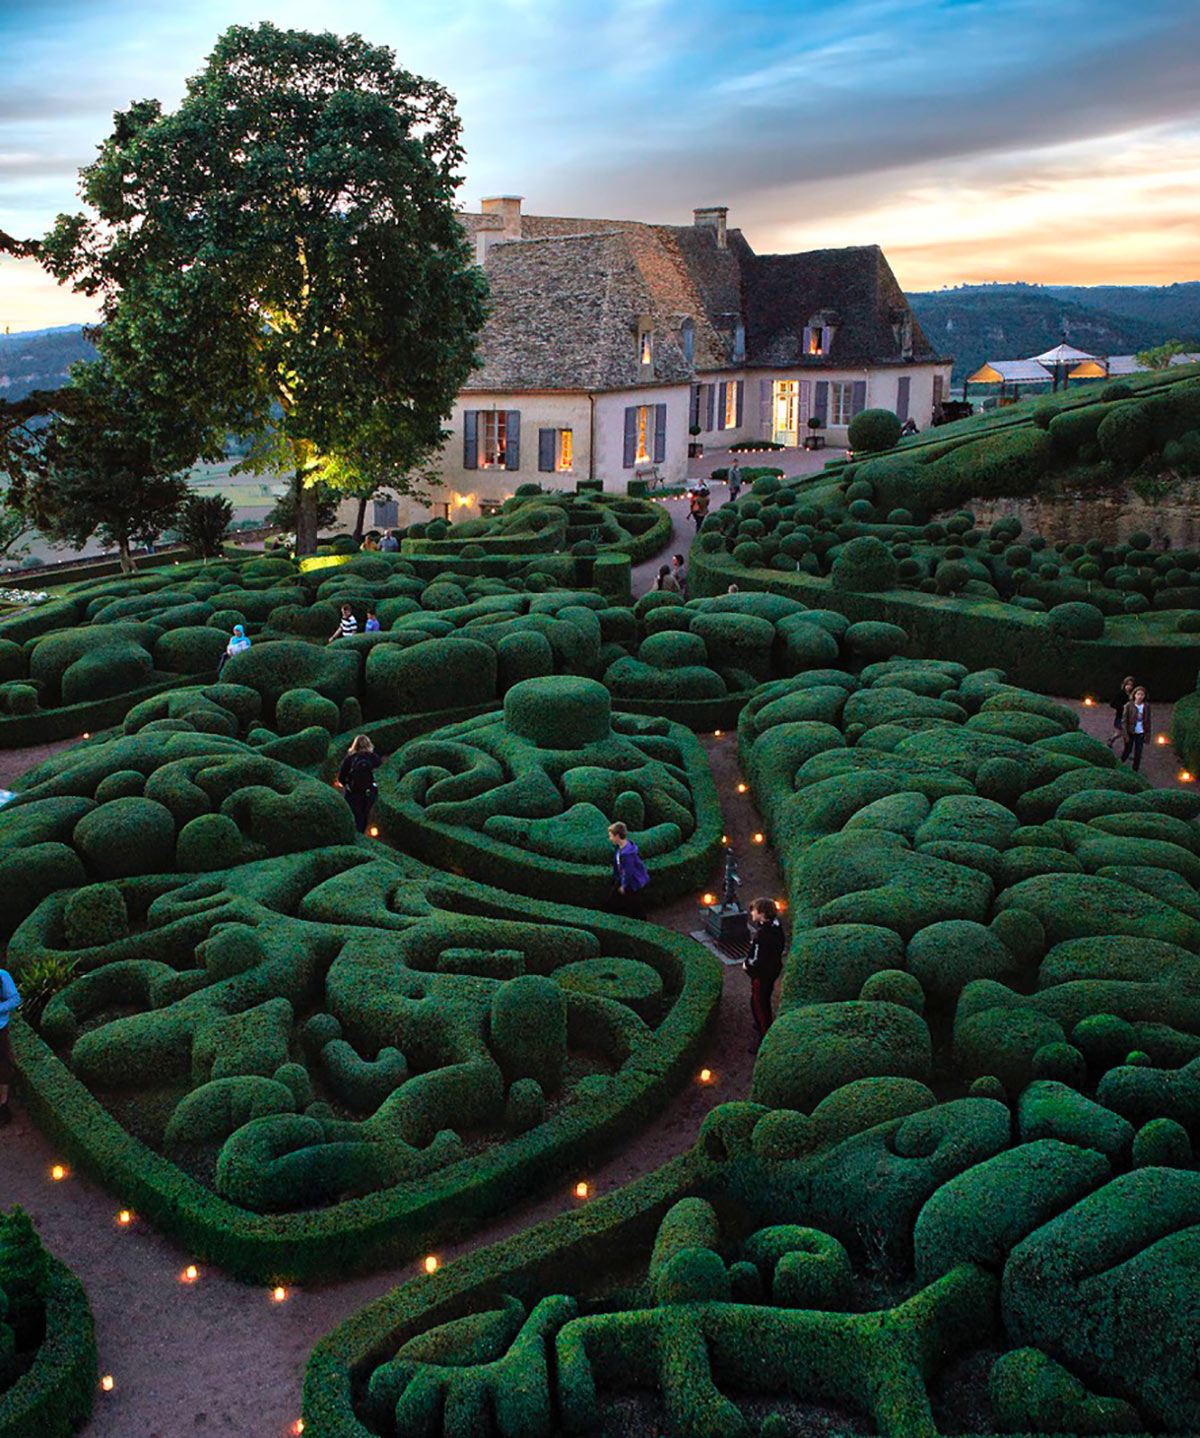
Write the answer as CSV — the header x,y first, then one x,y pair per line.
x,y
609,339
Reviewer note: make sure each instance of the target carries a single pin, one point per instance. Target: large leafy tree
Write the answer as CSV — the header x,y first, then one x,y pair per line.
x,y
90,470
280,255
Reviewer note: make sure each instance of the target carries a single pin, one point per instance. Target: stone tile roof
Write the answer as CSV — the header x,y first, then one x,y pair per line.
x,y
854,287
570,295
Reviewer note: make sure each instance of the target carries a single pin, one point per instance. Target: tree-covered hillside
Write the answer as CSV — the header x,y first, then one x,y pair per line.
x,y
39,359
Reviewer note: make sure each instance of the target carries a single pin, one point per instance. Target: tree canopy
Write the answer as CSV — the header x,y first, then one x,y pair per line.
x,y
281,254
91,471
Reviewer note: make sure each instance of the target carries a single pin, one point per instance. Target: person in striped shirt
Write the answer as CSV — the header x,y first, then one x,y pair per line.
x,y
346,625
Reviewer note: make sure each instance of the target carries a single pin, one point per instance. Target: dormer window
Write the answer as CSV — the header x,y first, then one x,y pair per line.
x,y
819,334
687,341
646,347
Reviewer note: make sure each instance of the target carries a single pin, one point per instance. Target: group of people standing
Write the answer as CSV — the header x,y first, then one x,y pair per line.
x,y
1131,720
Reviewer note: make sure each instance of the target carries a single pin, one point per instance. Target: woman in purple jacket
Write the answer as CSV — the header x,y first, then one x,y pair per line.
x,y
629,874
10,1001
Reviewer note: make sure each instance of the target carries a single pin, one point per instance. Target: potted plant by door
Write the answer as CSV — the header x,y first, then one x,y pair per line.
x,y
812,439
695,448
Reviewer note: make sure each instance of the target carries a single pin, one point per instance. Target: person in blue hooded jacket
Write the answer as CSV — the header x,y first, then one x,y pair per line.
x,y
10,1001
629,874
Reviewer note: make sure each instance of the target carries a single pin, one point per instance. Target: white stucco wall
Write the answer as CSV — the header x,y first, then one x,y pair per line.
x,y
610,434
882,389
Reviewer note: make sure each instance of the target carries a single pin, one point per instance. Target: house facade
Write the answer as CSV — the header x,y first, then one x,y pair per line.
x,y
609,339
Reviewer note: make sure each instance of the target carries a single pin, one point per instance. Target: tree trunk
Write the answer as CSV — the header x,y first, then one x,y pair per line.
x,y
306,516
360,518
127,564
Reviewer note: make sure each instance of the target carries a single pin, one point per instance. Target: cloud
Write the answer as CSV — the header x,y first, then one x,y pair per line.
x,y
926,126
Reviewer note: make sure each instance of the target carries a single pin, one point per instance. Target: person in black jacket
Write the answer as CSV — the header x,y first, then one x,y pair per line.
x,y
764,963
1120,699
357,778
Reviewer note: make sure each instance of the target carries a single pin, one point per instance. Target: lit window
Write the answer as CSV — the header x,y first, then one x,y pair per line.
x,y
731,403
841,401
816,340
646,347
642,453
493,425
565,448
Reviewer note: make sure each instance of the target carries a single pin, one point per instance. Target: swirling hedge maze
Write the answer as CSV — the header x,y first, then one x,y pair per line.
x,y
962,1196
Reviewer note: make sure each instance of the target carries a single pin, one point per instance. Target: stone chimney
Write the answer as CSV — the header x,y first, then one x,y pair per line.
x,y
712,217
508,207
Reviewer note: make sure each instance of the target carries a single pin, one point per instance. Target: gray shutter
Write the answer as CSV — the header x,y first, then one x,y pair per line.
x,y
660,433
821,401
903,386
471,439
766,390
740,394
512,439
694,406
806,340
630,436
546,439
710,400
803,405
722,393
858,397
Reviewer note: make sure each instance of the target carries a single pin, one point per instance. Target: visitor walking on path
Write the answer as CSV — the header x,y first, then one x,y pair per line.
x,y
733,477
1137,727
347,625
666,581
237,642
630,878
357,778
764,963
698,501
1118,707
10,1001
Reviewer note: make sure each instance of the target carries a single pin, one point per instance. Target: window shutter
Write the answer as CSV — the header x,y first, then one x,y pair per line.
x,y
694,406
710,400
546,438
803,403
722,394
471,439
660,433
806,340
821,401
512,439
630,436
766,390
688,335
858,397
903,386
739,394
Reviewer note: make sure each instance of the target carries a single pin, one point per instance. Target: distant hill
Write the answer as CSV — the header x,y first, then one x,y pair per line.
x,y
975,323
38,359
1173,309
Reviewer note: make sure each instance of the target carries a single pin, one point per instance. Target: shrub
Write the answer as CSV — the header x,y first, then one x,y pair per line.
x,y
863,565
873,430
528,1030
127,836
1075,621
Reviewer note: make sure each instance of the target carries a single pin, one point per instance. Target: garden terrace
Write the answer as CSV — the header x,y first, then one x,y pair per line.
x,y
47,1346
968,1154
303,1062
1069,618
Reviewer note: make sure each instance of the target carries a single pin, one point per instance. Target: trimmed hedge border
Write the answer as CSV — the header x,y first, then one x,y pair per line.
x,y
1185,731
47,726
983,634
529,1264
506,867
54,1398
396,1223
